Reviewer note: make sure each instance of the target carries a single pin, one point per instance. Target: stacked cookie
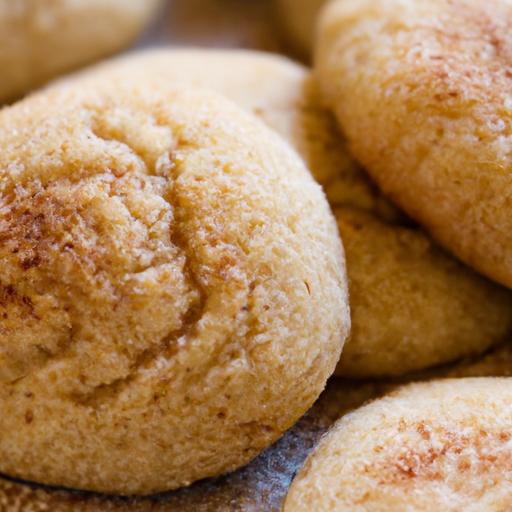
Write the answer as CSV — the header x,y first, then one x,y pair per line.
x,y
420,91
184,231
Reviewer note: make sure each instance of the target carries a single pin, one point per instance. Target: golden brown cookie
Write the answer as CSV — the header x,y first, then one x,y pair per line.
x,y
40,39
413,306
422,90
298,18
173,293
443,445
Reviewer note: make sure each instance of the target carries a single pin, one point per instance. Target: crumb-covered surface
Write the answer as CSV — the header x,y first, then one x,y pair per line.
x,y
259,487
262,485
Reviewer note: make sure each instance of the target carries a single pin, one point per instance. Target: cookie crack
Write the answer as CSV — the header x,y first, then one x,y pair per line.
x,y
170,344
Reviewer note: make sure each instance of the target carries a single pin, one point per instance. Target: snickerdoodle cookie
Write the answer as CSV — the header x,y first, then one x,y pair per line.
x,y
422,90
173,292
443,445
412,305
40,39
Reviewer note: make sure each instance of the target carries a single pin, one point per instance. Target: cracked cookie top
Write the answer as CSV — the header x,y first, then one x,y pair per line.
x,y
172,294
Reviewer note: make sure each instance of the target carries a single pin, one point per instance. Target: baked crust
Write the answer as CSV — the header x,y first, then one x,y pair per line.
x,y
173,292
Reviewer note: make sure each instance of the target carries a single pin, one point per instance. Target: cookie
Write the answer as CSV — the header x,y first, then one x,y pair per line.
x,y
298,19
422,90
40,39
165,312
413,306
442,445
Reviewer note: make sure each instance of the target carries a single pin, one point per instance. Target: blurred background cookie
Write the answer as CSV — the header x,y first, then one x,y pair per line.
x,y
173,287
413,306
422,90
40,39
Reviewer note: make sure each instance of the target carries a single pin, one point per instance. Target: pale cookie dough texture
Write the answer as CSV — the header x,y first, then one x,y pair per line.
x,y
412,305
298,19
40,39
444,445
173,292
422,89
